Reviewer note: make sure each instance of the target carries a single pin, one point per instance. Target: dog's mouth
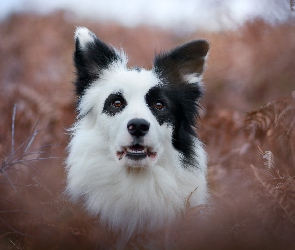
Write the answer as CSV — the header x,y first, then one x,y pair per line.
x,y
136,152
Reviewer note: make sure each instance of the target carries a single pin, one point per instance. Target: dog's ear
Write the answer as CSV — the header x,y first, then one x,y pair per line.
x,y
91,57
184,64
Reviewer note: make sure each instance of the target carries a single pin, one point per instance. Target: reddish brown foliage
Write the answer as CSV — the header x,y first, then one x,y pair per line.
x,y
251,173
251,157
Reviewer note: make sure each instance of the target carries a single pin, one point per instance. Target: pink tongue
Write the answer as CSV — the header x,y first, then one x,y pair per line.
x,y
137,148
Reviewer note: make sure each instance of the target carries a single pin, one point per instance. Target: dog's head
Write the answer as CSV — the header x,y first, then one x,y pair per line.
x,y
140,114
134,157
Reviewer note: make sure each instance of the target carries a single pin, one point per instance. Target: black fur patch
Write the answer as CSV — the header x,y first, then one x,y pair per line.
x,y
180,110
187,59
90,61
110,107
179,97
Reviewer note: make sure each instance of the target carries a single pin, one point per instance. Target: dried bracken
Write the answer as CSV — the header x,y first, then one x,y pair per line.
x,y
251,158
281,188
274,125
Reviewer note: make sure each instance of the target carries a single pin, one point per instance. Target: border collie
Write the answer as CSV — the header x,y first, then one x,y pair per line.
x,y
134,157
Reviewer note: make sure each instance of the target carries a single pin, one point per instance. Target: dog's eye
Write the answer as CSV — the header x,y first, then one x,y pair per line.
x,y
117,103
114,104
159,105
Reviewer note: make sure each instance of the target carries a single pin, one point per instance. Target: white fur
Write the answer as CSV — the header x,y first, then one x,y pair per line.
x,y
128,197
193,78
85,36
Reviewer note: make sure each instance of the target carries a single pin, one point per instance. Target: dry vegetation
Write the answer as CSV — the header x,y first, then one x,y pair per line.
x,y
252,153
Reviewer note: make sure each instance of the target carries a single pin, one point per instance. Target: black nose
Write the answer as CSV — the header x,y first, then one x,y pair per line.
x,y
138,127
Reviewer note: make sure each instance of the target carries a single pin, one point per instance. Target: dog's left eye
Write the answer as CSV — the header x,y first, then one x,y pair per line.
x,y
117,103
159,105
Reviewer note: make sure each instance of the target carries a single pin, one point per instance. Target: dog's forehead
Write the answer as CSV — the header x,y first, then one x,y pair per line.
x,y
131,82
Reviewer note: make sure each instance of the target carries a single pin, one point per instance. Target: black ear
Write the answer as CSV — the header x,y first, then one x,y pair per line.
x,y
184,64
91,57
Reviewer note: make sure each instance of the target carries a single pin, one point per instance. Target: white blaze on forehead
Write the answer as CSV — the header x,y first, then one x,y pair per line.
x,y
84,36
133,83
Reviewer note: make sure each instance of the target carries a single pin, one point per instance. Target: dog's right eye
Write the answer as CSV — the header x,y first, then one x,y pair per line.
x,y
114,104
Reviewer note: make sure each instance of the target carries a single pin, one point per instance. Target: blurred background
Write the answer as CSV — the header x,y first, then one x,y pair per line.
x,y
176,15
246,122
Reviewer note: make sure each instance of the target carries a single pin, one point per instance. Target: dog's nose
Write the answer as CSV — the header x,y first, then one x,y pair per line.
x,y
138,127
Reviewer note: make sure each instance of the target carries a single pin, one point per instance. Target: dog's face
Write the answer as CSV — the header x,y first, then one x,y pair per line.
x,y
143,114
121,105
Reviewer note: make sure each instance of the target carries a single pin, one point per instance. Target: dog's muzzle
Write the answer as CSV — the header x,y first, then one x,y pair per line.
x,y
137,128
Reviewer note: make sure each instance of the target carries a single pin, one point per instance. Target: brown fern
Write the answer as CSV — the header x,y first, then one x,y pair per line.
x,y
18,173
273,126
281,188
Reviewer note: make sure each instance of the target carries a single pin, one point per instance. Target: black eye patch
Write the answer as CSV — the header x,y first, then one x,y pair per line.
x,y
114,104
176,105
159,105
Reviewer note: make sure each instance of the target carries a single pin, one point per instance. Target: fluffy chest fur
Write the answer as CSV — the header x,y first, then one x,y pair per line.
x,y
134,157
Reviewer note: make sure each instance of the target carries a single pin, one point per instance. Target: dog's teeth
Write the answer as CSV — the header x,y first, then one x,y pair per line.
x,y
134,151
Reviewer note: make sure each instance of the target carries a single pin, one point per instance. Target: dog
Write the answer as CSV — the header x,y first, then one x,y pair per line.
x,y
134,158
